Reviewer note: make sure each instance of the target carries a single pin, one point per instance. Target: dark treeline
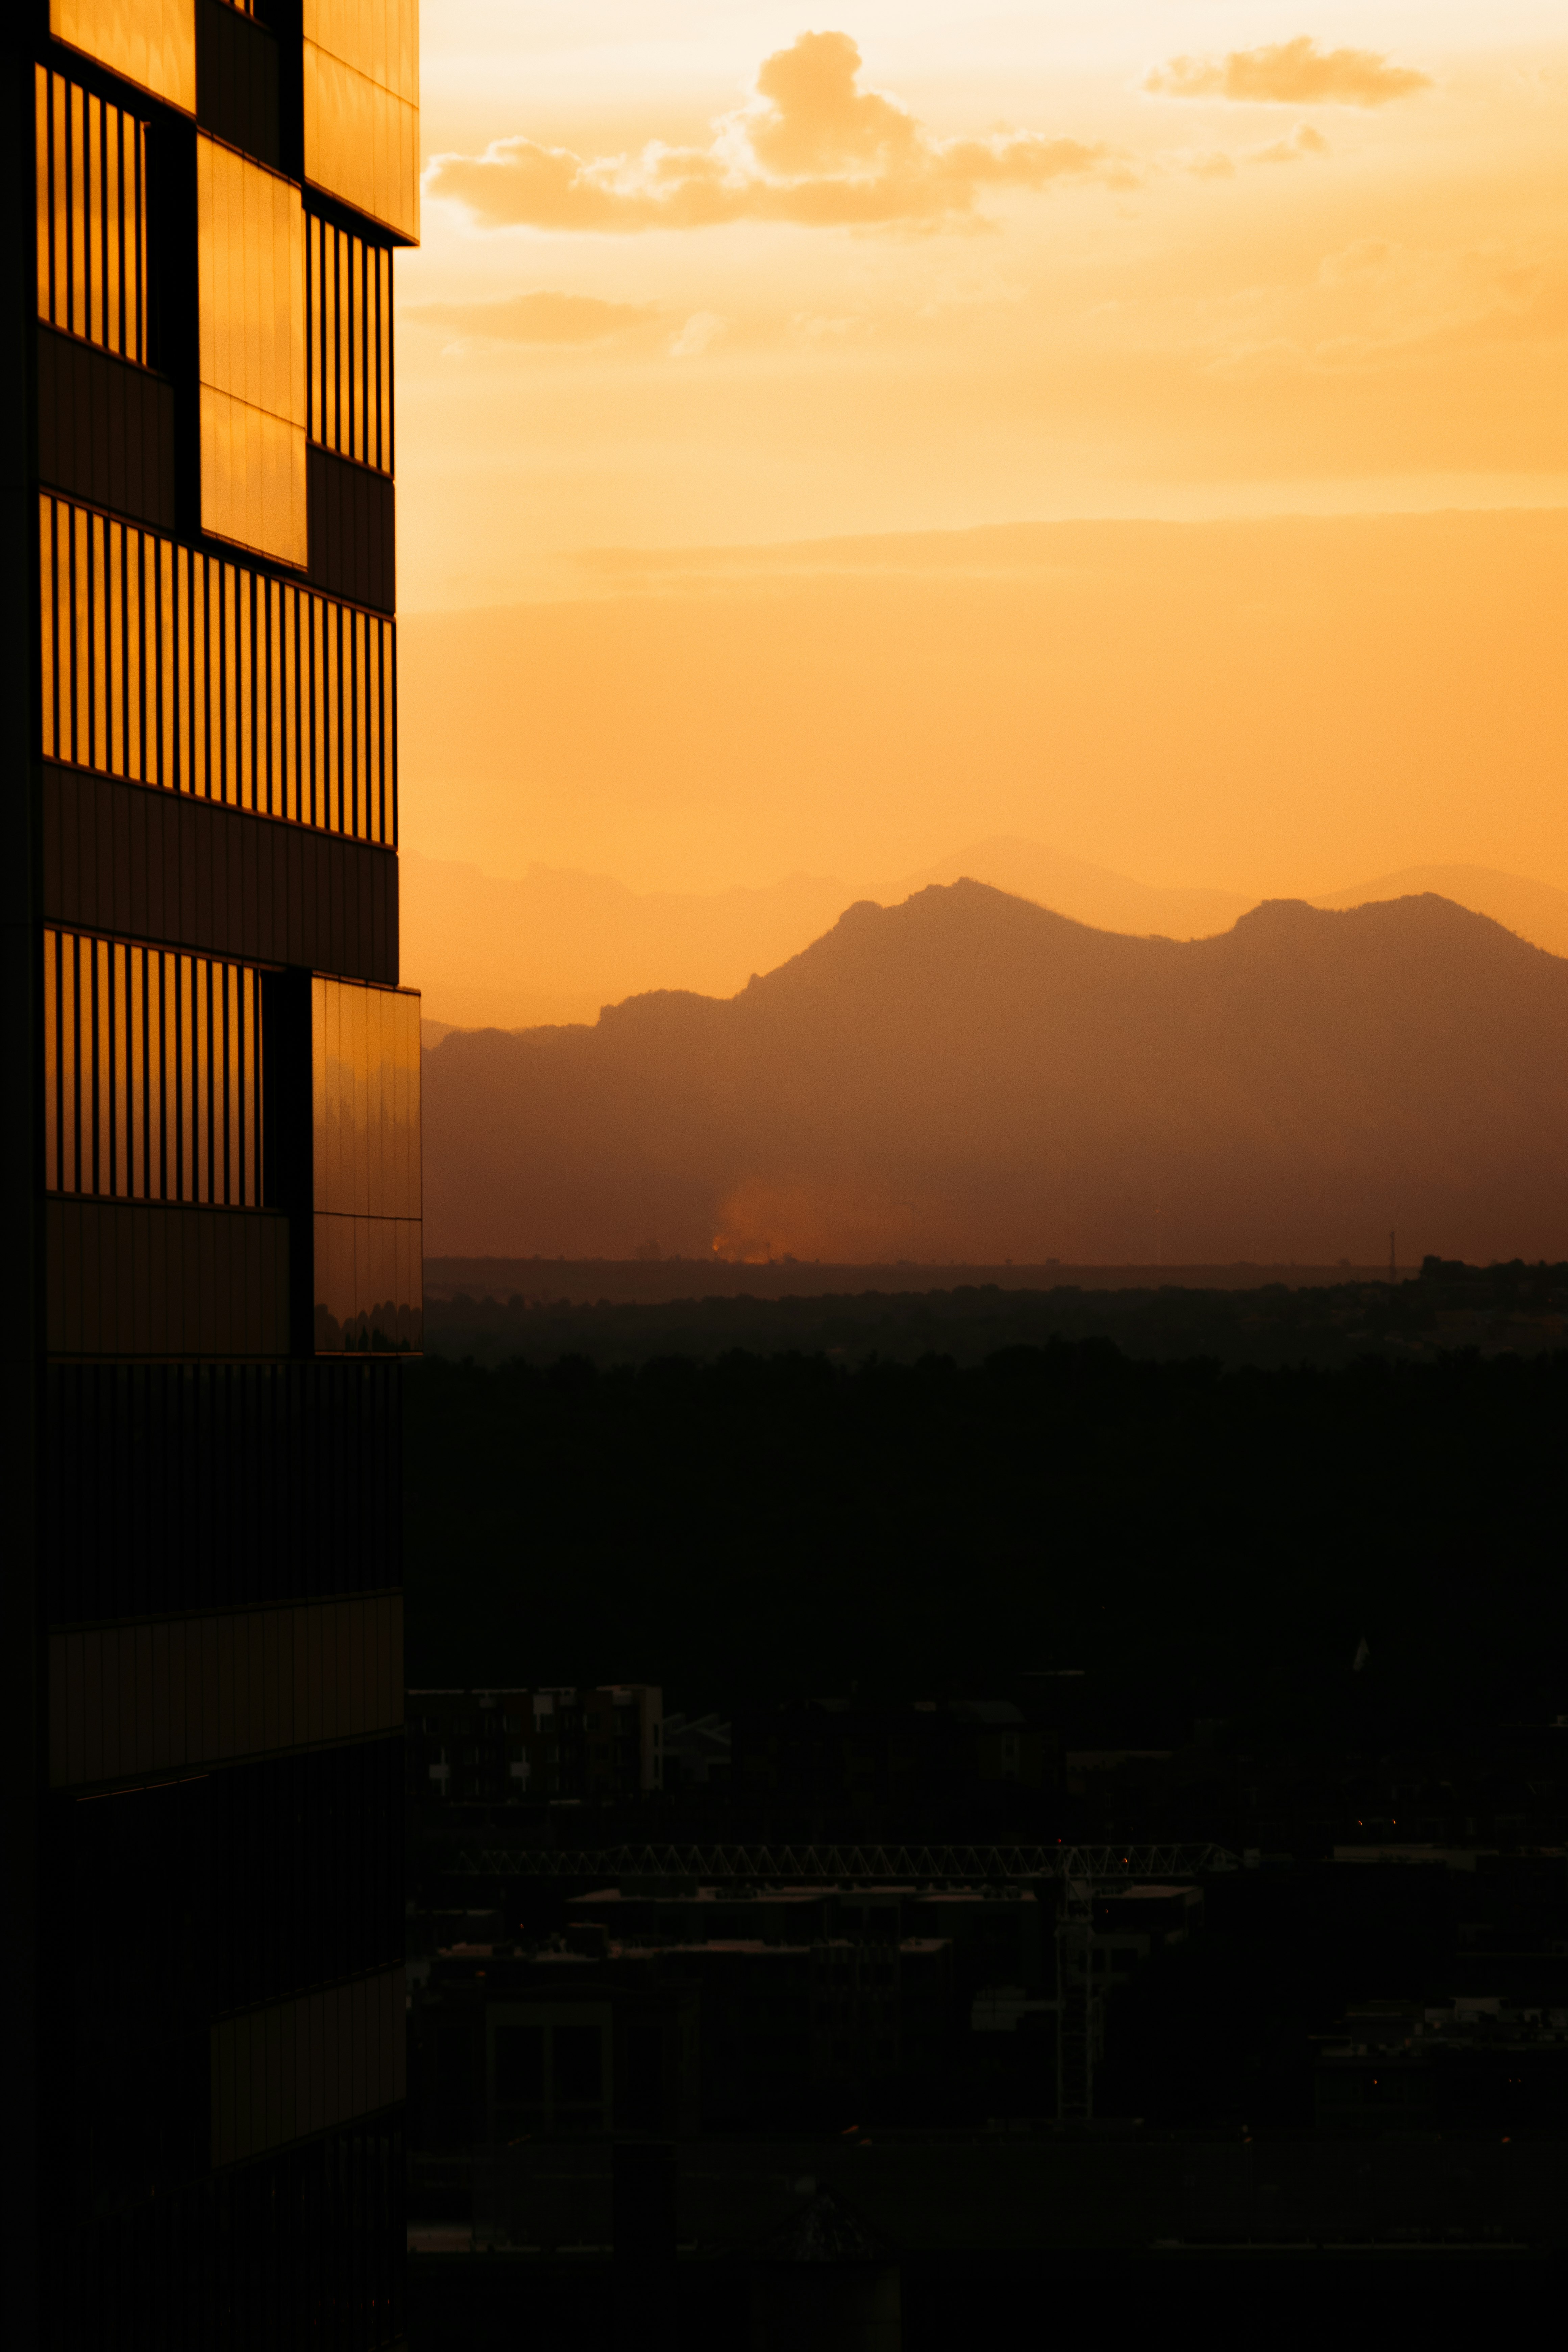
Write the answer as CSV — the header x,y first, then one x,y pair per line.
x,y
1330,1325
752,1528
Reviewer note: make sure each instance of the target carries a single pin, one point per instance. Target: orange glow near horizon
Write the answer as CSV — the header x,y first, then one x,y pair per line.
x,y
786,410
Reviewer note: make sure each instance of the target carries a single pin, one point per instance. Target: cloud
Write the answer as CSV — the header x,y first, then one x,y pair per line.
x,y
1303,143
702,329
534,317
1374,306
812,147
1291,73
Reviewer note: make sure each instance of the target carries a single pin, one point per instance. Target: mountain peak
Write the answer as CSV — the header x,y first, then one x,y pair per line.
x,y
968,1076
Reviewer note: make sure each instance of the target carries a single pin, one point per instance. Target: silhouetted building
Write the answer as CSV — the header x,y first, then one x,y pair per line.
x,y
697,1753
569,1741
212,1147
977,1754
1401,2065
574,2043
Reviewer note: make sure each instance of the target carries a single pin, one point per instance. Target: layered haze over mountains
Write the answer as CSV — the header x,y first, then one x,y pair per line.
x,y
972,1076
1040,535
557,945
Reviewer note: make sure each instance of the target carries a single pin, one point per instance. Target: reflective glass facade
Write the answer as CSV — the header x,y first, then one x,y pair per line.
x,y
251,256
152,43
211,1149
362,106
364,1045
171,666
348,311
152,1077
91,168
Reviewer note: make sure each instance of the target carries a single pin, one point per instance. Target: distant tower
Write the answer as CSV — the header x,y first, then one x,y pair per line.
x,y
1393,1261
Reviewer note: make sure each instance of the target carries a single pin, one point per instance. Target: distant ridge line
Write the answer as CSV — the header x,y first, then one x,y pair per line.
x,y
837,1862
664,1281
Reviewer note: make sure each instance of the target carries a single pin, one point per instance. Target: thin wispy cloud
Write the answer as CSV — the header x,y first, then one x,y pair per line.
x,y
813,148
1303,145
541,318
1289,73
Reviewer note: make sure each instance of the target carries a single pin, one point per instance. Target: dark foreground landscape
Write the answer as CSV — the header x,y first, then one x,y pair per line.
x,y
1102,1832
895,1493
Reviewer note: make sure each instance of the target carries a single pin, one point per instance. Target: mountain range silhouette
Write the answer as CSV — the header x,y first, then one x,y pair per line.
x,y
968,1076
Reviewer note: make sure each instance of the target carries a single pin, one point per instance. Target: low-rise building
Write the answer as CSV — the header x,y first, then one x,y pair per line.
x,y
506,1744
1406,2065
697,1752
666,2038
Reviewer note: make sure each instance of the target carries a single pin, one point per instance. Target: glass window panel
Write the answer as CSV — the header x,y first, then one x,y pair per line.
x,y
76,133
44,183
239,589
315,314
97,649
167,1037
365,1072
201,1171
114,649
412,1146
357,1004
48,644
232,1067
377,779
81,640
288,687
51,1061
227,680
174,773
95,1044
357,343
150,42
70,1056
119,1171
252,477
65,636
380,1106
385,460
136,1102
321,793
135,658
318,1087
181,1120
93,257
165,665
368,1286
114,231
361,113
380,40
197,585
60,260
251,247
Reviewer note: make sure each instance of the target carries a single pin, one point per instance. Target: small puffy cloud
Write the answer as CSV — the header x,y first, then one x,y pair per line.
x,y
823,328
1301,145
812,147
1289,73
701,330
532,319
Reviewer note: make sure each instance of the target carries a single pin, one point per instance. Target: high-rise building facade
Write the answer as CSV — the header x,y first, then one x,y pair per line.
x,y
210,1164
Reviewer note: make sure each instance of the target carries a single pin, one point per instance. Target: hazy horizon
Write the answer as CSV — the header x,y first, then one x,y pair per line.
x,y
553,946
1121,460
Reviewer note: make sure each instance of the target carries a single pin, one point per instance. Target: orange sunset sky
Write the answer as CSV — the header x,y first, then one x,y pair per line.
x,y
827,443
